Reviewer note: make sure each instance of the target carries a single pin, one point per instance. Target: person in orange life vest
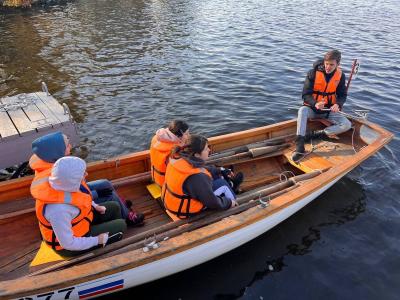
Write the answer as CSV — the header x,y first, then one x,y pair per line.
x,y
188,186
324,88
69,221
47,149
161,146
50,147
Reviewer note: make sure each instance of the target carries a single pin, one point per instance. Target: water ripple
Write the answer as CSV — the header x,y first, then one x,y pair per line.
x,y
126,68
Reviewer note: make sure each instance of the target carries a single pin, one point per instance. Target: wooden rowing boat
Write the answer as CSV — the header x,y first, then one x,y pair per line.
x,y
274,188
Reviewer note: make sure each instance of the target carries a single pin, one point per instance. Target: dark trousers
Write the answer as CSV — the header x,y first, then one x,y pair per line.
x,y
110,222
102,184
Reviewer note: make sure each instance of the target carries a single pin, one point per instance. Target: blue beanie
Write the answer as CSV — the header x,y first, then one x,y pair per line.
x,y
49,147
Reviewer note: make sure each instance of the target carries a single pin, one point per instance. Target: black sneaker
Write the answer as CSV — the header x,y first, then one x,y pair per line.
x,y
237,181
297,156
300,150
134,219
316,134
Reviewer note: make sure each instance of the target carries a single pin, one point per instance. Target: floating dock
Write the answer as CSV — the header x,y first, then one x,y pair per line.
x,y
25,117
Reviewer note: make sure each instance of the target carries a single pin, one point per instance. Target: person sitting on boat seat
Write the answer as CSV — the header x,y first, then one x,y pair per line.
x,y
188,188
48,148
69,221
161,146
324,94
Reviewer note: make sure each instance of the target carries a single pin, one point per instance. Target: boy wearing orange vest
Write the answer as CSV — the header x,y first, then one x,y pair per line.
x,y
324,94
50,147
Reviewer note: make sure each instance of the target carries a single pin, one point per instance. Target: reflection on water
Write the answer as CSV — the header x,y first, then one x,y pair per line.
x,y
126,68
20,47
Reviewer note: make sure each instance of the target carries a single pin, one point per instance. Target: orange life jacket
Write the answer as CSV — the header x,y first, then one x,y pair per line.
x,y
326,91
39,165
175,200
159,154
44,194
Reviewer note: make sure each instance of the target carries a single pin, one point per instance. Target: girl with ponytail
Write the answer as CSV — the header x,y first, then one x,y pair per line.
x,y
189,186
162,143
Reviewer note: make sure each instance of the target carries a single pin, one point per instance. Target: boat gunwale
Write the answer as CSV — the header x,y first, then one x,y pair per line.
x,y
96,168
125,261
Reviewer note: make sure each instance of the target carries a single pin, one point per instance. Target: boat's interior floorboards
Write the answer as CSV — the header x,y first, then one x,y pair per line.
x,y
323,154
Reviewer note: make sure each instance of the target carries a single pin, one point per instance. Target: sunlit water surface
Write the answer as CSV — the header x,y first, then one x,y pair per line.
x,y
126,68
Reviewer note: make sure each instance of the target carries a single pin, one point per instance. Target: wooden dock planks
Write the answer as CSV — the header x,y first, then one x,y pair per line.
x,y
25,117
18,117
7,127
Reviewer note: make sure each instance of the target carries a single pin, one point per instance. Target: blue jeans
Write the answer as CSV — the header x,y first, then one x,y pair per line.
x,y
340,123
103,184
222,187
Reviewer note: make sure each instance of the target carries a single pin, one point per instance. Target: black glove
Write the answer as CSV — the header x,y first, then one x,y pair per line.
x,y
104,193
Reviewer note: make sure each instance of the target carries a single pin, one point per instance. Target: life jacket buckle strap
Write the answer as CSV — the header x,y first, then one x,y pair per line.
x,y
158,171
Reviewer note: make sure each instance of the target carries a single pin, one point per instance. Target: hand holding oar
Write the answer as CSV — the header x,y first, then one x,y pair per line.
x,y
354,71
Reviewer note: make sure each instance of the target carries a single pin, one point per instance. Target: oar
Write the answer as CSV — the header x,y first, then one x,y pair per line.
x,y
357,118
252,153
245,148
138,239
203,222
354,71
244,204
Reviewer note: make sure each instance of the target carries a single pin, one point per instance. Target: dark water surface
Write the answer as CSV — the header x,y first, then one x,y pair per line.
x,y
127,67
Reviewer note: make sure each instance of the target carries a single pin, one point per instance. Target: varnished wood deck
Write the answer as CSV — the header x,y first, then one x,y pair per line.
x,y
322,154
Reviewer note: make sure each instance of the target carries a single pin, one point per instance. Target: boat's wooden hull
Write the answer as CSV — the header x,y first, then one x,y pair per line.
x,y
135,267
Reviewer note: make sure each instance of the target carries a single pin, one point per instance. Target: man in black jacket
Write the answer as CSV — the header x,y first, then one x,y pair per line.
x,y
324,94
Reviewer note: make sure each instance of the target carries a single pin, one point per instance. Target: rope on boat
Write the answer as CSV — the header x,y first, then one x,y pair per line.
x,y
284,178
352,139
